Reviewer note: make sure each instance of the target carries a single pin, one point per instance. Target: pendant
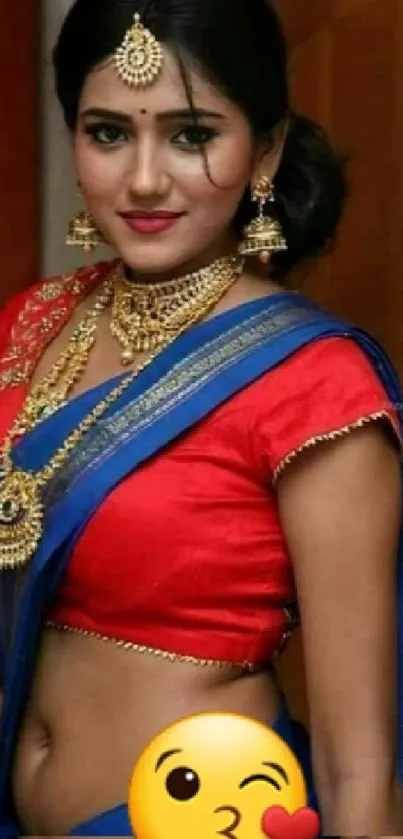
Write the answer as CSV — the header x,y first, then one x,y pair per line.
x,y
21,519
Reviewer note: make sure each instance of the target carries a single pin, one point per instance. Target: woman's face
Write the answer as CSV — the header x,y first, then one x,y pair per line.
x,y
139,153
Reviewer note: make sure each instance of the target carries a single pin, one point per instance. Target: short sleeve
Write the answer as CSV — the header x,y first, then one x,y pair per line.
x,y
324,391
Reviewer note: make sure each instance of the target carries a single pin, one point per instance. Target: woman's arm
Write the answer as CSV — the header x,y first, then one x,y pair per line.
x,y
340,505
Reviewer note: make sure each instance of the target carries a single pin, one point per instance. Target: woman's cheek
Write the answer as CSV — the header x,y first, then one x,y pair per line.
x,y
100,172
232,165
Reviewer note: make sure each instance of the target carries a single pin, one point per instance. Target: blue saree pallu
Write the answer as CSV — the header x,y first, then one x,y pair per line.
x,y
187,381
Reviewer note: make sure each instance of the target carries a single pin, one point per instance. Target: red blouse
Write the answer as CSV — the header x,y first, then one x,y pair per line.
x,y
187,557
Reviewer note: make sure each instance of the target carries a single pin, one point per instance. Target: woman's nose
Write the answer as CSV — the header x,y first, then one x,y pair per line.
x,y
149,176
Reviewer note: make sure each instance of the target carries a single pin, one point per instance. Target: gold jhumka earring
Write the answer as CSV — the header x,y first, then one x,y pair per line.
x,y
264,235
83,233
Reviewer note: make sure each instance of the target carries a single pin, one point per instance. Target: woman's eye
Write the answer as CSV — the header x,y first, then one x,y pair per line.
x,y
106,135
194,137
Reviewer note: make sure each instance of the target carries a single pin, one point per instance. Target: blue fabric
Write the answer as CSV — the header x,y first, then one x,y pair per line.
x,y
114,822
195,375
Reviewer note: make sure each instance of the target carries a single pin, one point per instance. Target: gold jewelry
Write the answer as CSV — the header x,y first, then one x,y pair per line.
x,y
264,235
84,233
140,57
147,315
21,507
52,391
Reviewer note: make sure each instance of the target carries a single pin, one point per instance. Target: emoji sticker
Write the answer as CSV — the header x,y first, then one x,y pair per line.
x,y
219,775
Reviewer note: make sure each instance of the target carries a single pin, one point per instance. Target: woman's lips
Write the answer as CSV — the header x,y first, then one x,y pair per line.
x,y
151,222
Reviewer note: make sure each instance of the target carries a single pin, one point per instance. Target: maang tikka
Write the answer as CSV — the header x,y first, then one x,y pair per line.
x,y
139,59
264,235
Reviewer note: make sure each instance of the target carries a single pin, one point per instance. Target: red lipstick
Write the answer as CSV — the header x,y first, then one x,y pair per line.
x,y
153,222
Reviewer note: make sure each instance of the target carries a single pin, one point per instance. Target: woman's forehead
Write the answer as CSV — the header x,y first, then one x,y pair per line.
x,y
103,88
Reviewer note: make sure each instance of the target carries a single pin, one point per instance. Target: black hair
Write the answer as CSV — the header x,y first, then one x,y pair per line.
x,y
240,46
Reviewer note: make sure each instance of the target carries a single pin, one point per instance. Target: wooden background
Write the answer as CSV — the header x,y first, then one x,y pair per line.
x,y
347,72
19,169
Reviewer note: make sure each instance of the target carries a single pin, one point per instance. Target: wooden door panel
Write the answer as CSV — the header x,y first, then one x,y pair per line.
x,y
304,19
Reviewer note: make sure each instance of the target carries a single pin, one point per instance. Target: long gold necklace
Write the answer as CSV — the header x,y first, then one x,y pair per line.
x,y
21,508
52,391
147,315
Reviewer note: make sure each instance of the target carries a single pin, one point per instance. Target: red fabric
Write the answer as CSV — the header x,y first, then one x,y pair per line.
x,y
187,554
329,385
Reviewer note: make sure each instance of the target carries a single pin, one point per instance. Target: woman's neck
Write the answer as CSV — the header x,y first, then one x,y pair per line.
x,y
226,247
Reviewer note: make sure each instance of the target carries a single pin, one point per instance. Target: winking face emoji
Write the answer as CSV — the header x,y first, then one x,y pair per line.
x,y
213,775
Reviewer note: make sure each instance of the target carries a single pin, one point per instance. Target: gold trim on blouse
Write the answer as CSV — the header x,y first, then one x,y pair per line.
x,y
143,649
331,436
154,651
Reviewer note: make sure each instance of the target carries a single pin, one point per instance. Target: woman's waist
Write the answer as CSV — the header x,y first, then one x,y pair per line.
x,y
86,725
92,676
77,711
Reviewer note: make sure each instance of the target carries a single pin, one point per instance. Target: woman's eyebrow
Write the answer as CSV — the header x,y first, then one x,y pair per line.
x,y
105,113
190,113
178,114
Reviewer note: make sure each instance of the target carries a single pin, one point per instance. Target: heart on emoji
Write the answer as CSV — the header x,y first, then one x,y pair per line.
x,y
278,824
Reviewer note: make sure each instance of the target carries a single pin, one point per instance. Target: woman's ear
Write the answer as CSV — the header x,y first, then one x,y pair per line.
x,y
269,153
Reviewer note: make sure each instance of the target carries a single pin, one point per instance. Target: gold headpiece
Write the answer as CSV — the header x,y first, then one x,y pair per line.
x,y
140,57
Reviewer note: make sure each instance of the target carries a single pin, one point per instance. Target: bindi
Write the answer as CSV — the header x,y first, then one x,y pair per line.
x,y
143,112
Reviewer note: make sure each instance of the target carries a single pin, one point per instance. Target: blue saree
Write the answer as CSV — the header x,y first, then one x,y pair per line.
x,y
196,374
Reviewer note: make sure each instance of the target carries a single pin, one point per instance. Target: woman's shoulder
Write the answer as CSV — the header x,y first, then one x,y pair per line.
x,y
324,367
322,392
327,361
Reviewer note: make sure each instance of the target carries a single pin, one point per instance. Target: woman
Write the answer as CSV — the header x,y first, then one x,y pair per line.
x,y
189,449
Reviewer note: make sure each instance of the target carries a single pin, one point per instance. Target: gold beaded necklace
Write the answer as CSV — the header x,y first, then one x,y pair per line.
x,y
52,391
21,507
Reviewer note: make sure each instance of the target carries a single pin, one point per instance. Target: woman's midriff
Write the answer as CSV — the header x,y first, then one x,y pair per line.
x,y
93,709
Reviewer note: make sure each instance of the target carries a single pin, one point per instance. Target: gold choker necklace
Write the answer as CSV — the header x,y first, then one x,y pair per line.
x,y
147,315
